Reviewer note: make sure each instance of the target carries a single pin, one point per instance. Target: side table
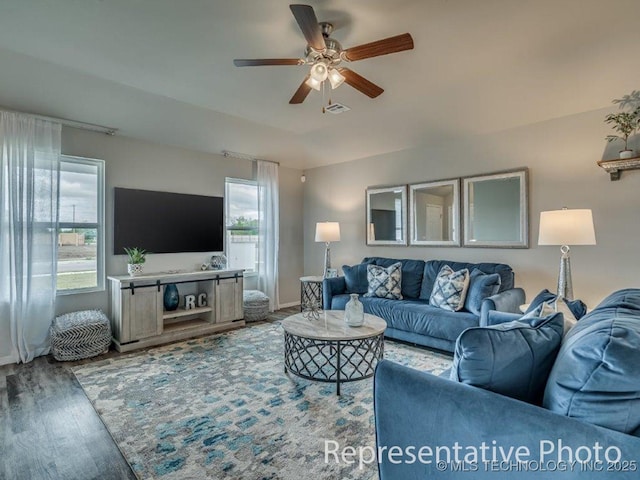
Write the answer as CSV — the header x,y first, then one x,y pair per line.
x,y
310,292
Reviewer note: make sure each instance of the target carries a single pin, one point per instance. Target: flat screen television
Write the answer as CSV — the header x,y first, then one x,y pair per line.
x,y
162,222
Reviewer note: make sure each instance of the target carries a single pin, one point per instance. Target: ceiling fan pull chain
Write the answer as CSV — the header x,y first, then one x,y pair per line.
x,y
323,109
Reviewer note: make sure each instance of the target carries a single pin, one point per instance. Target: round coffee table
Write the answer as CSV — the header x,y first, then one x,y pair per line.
x,y
327,350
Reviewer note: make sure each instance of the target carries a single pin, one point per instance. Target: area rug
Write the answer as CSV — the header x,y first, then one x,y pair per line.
x,y
222,407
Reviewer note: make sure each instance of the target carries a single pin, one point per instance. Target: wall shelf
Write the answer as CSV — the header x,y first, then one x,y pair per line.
x,y
615,167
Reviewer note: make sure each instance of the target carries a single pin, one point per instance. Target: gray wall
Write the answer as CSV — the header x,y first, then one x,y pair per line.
x,y
561,155
137,164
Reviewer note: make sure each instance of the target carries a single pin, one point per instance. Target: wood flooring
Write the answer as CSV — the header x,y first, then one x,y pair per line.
x,y
49,429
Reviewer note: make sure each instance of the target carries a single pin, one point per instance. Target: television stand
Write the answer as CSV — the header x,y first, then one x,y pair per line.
x,y
138,318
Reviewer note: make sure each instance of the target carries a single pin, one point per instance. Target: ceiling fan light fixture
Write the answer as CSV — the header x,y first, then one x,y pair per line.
x,y
313,83
335,78
320,71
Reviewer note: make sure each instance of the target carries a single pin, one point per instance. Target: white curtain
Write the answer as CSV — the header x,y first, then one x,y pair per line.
x,y
269,226
29,177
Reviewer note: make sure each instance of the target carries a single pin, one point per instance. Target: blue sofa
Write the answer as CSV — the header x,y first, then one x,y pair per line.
x,y
591,407
412,319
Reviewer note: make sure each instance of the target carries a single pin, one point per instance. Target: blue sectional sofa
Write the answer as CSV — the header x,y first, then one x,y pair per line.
x,y
412,319
587,427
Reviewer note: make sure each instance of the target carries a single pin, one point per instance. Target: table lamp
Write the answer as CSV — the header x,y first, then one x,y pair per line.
x,y
566,227
327,232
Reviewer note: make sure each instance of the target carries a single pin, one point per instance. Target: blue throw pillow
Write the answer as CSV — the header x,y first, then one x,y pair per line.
x,y
481,286
512,359
412,271
596,377
577,307
450,289
385,282
355,278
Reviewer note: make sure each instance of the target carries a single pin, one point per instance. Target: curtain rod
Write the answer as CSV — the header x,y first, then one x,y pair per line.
x,y
69,123
245,156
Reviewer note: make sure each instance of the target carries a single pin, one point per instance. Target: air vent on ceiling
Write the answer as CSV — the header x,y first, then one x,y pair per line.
x,y
337,108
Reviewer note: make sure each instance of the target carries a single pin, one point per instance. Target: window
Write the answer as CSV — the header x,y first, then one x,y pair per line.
x,y
81,227
241,203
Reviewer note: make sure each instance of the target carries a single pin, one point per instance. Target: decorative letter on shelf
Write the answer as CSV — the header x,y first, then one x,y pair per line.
x,y
202,300
189,302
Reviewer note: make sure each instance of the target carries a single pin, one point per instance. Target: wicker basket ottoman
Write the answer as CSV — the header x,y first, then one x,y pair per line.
x,y
256,305
79,335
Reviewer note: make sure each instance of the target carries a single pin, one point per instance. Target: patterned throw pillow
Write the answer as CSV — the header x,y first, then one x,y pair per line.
x,y
385,282
450,289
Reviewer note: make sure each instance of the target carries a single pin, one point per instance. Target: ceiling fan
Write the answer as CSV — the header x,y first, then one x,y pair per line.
x,y
325,54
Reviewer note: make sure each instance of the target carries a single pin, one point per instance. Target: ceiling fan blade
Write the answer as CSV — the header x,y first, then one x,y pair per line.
x,y
256,62
360,83
395,44
302,92
308,23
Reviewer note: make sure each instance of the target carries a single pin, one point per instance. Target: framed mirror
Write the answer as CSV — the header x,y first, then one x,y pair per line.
x,y
434,213
387,215
496,210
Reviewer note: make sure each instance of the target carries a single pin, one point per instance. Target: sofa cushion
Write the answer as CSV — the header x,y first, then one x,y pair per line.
x,y
481,286
450,289
417,316
412,271
432,268
596,377
355,278
385,282
513,358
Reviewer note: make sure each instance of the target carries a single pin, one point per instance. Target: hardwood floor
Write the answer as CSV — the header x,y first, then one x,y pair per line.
x,y
48,428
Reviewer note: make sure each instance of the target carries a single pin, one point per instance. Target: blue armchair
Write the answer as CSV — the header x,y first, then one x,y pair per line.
x,y
587,427
418,409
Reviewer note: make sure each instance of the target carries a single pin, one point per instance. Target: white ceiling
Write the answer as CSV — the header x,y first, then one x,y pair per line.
x,y
162,70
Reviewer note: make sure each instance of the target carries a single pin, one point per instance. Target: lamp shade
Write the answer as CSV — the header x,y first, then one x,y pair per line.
x,y
566,227
327,232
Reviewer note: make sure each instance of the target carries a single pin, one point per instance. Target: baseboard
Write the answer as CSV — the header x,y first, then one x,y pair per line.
x,y
290,304
8,359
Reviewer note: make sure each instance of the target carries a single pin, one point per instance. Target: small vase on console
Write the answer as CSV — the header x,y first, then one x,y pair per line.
x,y
171,297
354,312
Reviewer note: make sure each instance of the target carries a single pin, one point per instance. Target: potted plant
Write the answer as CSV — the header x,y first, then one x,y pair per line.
x,y
625,123
137,257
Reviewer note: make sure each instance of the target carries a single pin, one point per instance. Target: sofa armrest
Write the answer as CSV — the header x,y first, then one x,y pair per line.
x,y
494,317
417,409
507,301
331,287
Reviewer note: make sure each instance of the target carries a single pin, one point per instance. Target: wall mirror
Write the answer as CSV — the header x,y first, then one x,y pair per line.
x,y
496,210
434,213
387,215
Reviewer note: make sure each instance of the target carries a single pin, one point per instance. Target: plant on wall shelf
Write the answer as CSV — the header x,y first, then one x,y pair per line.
x,y
625,124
